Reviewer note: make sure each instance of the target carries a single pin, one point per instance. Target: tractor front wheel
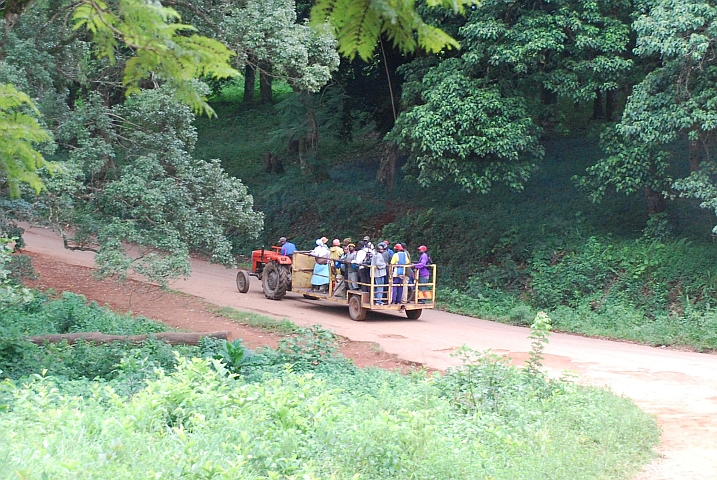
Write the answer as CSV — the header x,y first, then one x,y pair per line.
x,y
274,280
242,281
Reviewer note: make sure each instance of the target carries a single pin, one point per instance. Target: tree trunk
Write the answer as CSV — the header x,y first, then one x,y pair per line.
x,y
386,174
265,81
303,165
249,81
610,104
12,11
548,97
656,202
173,338
312,136
695,154
598,111
272,163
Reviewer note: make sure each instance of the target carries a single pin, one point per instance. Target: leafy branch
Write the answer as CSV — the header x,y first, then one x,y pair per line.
x,y
164,48
19,160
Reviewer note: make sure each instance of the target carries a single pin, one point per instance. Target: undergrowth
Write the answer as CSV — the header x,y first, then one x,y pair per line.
x,y
500,256
304,411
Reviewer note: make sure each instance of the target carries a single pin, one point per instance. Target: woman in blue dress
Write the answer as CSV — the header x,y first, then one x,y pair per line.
x,y
320,278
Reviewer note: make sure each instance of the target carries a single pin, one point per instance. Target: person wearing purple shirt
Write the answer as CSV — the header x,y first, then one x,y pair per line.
x,y
287,248
422,267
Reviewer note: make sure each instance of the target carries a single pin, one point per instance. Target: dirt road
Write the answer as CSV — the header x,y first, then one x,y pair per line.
x,y
680,388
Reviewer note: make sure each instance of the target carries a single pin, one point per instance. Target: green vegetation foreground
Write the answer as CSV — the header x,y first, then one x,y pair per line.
x,y
300,411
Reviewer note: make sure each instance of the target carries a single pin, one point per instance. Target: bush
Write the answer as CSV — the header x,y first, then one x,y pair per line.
x,y
202,422
71,313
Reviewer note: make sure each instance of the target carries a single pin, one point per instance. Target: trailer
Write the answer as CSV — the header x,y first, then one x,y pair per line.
x,y
359,297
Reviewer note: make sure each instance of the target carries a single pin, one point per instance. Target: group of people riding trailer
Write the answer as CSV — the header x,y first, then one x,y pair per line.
x,y
368,277
364,277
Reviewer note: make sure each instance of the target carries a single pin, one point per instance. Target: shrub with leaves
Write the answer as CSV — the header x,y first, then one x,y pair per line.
x,y
132,183
203,421
11,294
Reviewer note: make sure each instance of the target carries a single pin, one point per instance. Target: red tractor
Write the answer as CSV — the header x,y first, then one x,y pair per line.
x,y
272,268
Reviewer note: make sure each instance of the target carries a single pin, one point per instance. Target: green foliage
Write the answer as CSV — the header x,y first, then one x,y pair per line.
x,y
658,228
575,276
268,324
309,349
467,132
133,179
674,102
701,185
275,422
630,167
71,313
19,132
476,118
644,291
484,382
163,47
12,295
265,35
539,334
359,25
234,355
350,424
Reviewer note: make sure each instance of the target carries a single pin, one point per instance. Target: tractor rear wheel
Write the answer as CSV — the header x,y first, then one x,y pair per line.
x,y
274,280
242,281
414,314
356,310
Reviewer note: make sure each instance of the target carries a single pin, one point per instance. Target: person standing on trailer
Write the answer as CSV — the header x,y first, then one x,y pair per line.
x,y
335,253
363,260
368,245
400,277
320,278
422,268
378,264
352,267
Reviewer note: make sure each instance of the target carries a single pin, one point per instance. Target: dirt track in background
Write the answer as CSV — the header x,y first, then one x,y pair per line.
x,y
680,388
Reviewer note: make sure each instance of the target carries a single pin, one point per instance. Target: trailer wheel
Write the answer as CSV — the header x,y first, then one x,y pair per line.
x,y
414,314
274,281
356,310
242,281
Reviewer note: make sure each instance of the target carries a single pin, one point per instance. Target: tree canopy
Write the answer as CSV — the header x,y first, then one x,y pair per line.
x,y
476,116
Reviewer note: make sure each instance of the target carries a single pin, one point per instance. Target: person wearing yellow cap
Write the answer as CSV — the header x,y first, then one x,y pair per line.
x,y
335,253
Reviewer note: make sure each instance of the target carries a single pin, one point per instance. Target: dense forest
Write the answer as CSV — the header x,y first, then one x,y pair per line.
x,y
556,157
553,154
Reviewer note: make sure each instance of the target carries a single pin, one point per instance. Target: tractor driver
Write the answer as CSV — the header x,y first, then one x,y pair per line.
x,y
287,248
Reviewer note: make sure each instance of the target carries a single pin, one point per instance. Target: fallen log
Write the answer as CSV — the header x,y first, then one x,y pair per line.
x,y
173,338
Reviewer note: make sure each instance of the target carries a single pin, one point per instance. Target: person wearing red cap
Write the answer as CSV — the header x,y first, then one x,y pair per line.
x,y
400,277
422,267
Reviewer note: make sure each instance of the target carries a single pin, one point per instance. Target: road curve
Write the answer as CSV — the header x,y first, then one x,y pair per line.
x,y
680,388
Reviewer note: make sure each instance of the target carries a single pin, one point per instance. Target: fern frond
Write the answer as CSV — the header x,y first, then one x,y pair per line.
x,y
358,24
162,48
19,161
